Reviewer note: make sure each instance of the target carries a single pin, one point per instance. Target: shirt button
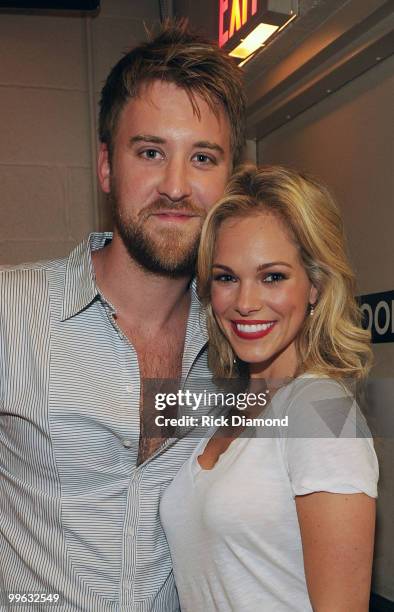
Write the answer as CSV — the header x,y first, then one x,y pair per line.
x,y
127,443
131,532
129,388
128,585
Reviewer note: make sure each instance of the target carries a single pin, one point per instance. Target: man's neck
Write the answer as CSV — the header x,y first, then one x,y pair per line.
x,y
138,296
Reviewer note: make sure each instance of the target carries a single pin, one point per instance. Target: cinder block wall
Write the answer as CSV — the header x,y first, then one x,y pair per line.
x,y
51,71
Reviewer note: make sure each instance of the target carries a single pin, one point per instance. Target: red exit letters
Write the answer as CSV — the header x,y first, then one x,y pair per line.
x,y
239,11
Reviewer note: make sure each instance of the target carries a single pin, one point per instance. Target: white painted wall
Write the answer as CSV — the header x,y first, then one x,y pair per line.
x,y
51,71
347,141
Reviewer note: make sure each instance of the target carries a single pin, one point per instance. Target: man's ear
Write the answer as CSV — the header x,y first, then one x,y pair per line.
x,y
103,168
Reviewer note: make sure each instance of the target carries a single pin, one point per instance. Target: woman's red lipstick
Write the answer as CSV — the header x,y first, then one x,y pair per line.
x,y
260,328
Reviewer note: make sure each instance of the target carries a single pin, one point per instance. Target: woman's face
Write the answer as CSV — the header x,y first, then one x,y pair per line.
x,y
260,293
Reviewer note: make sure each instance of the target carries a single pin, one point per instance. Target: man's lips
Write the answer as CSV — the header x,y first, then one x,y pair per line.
x,y
175,215
251,329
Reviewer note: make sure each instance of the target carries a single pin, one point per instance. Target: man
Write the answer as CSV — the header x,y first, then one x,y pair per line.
x,y
81,478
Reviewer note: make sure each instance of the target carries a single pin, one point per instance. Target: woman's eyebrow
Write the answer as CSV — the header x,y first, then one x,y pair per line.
x,y
259,268
273,263
222,267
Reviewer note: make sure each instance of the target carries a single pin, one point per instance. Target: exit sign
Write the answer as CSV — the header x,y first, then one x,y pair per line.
x,y
233,15
245,25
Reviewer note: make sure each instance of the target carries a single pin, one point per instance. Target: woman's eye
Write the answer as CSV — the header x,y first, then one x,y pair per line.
x,y
224,278
274,277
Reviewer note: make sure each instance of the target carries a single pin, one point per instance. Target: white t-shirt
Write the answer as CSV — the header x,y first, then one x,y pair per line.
x,y
233,530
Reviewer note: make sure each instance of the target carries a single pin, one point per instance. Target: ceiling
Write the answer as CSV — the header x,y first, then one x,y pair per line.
x,y
330,43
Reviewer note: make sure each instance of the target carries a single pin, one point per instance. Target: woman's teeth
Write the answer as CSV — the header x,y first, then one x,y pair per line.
x,y
254,327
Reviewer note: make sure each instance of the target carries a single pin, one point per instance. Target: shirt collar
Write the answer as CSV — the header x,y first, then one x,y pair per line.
x,y
80,287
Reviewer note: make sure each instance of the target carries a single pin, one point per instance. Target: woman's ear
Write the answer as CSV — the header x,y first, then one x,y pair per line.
x,y
313,295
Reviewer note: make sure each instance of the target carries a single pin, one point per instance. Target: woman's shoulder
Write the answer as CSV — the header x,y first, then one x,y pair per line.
x,y
327,445
321,406
309,387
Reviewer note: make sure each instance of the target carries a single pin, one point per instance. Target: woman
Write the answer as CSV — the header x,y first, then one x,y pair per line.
x,y
279,521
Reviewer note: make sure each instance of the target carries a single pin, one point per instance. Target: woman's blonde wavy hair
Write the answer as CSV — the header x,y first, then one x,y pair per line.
x,y
332,342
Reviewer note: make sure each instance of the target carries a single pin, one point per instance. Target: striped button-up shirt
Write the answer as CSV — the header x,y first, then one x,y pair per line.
x,y
78,516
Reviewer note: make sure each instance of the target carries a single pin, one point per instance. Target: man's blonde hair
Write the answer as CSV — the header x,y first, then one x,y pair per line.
x,y
191,62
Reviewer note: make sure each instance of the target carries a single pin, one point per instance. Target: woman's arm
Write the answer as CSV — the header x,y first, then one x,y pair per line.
x,y
337,532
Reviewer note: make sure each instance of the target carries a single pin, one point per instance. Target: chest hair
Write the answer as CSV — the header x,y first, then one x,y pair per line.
x,y
160,359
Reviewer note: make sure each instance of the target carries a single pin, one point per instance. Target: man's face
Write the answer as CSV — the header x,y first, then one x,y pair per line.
x,y
169,167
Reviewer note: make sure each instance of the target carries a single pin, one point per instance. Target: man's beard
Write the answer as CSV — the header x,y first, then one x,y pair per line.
x,y
171,252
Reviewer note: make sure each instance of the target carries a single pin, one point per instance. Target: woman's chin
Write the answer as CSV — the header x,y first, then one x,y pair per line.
x,y
251,358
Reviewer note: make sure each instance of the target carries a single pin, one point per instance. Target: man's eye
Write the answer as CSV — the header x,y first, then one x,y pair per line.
x,y
224,278
202,158
274,277
150,154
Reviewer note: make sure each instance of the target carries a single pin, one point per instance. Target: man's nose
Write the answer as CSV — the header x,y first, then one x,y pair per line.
x,y
175,183
248,299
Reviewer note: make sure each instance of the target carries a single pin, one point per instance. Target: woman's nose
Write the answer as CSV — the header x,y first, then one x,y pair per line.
x,y
248,299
